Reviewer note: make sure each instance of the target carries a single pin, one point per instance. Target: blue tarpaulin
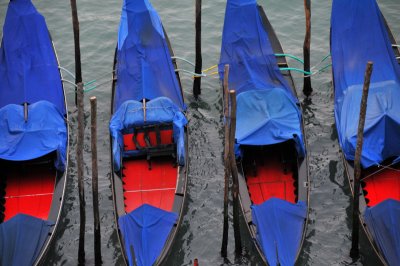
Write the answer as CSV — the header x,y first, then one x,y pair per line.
x,y
383,221
144,64
44,132
28,65
145,231
279,229
259,84
21,240
265,122
359,35
130,114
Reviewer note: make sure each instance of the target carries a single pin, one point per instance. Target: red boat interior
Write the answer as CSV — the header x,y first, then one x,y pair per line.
x,y
27,187
271,171
381,184
149,182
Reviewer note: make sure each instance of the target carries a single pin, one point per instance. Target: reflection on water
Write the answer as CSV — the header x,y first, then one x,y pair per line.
x,y
328,236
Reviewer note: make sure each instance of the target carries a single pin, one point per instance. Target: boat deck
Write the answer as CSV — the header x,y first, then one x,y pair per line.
x,y
267,176
29,190
381,186
144,186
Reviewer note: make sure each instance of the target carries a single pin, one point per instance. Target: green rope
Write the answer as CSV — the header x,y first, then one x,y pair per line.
x,y
325,67
295,69
90,89
326,57
290,56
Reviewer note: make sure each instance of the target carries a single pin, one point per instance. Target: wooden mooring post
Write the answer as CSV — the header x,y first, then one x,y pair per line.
x,y
78,69
81,127
224,247
199,60
81,184
354,252
307,88
234,171
95,177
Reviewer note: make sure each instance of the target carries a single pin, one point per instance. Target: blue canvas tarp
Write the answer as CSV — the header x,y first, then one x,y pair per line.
x,y
383,221
253,68
359,35
45,131
144,64
279,229
264,121
28,65
130,114
21,239
145,231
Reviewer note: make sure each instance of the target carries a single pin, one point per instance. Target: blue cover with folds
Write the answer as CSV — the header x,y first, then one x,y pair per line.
x,y
264,121
28,65
44,132
383,221
21,239
144,65
253,69
145,231
130,114
359,35
279,229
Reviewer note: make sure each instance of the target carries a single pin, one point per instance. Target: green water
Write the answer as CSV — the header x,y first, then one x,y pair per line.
x,y
329,230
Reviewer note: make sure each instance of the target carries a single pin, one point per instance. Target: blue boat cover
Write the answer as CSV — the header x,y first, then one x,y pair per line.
x,y
144,64
28,65
265,122
253,68
130,114
383,221
359,35
44,132
21,239
279,229
145,231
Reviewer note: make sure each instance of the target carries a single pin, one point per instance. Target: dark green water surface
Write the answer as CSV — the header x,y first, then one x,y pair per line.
x,y
329,229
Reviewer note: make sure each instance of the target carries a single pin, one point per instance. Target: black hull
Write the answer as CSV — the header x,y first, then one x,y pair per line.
x,y
180,192
302,164
59,191
349,168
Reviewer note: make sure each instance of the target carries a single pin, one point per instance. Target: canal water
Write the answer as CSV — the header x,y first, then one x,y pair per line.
x,y
329,229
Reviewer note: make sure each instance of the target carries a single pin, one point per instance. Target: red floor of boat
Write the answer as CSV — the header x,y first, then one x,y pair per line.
x,y
29,191
382,186
143,186
270,181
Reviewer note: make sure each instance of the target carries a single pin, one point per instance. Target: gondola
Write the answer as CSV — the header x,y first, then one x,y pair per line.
x,y
269,140
359,33
33,137
148,137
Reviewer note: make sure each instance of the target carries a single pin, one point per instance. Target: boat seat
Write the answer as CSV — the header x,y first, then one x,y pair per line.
x,y
151,141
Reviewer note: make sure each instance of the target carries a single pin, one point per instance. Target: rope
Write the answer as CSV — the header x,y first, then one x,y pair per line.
x,y
100,78
190,72
184,60
317,65
70,82
95,86
290,56
380,170
208,69
66,70
295,69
